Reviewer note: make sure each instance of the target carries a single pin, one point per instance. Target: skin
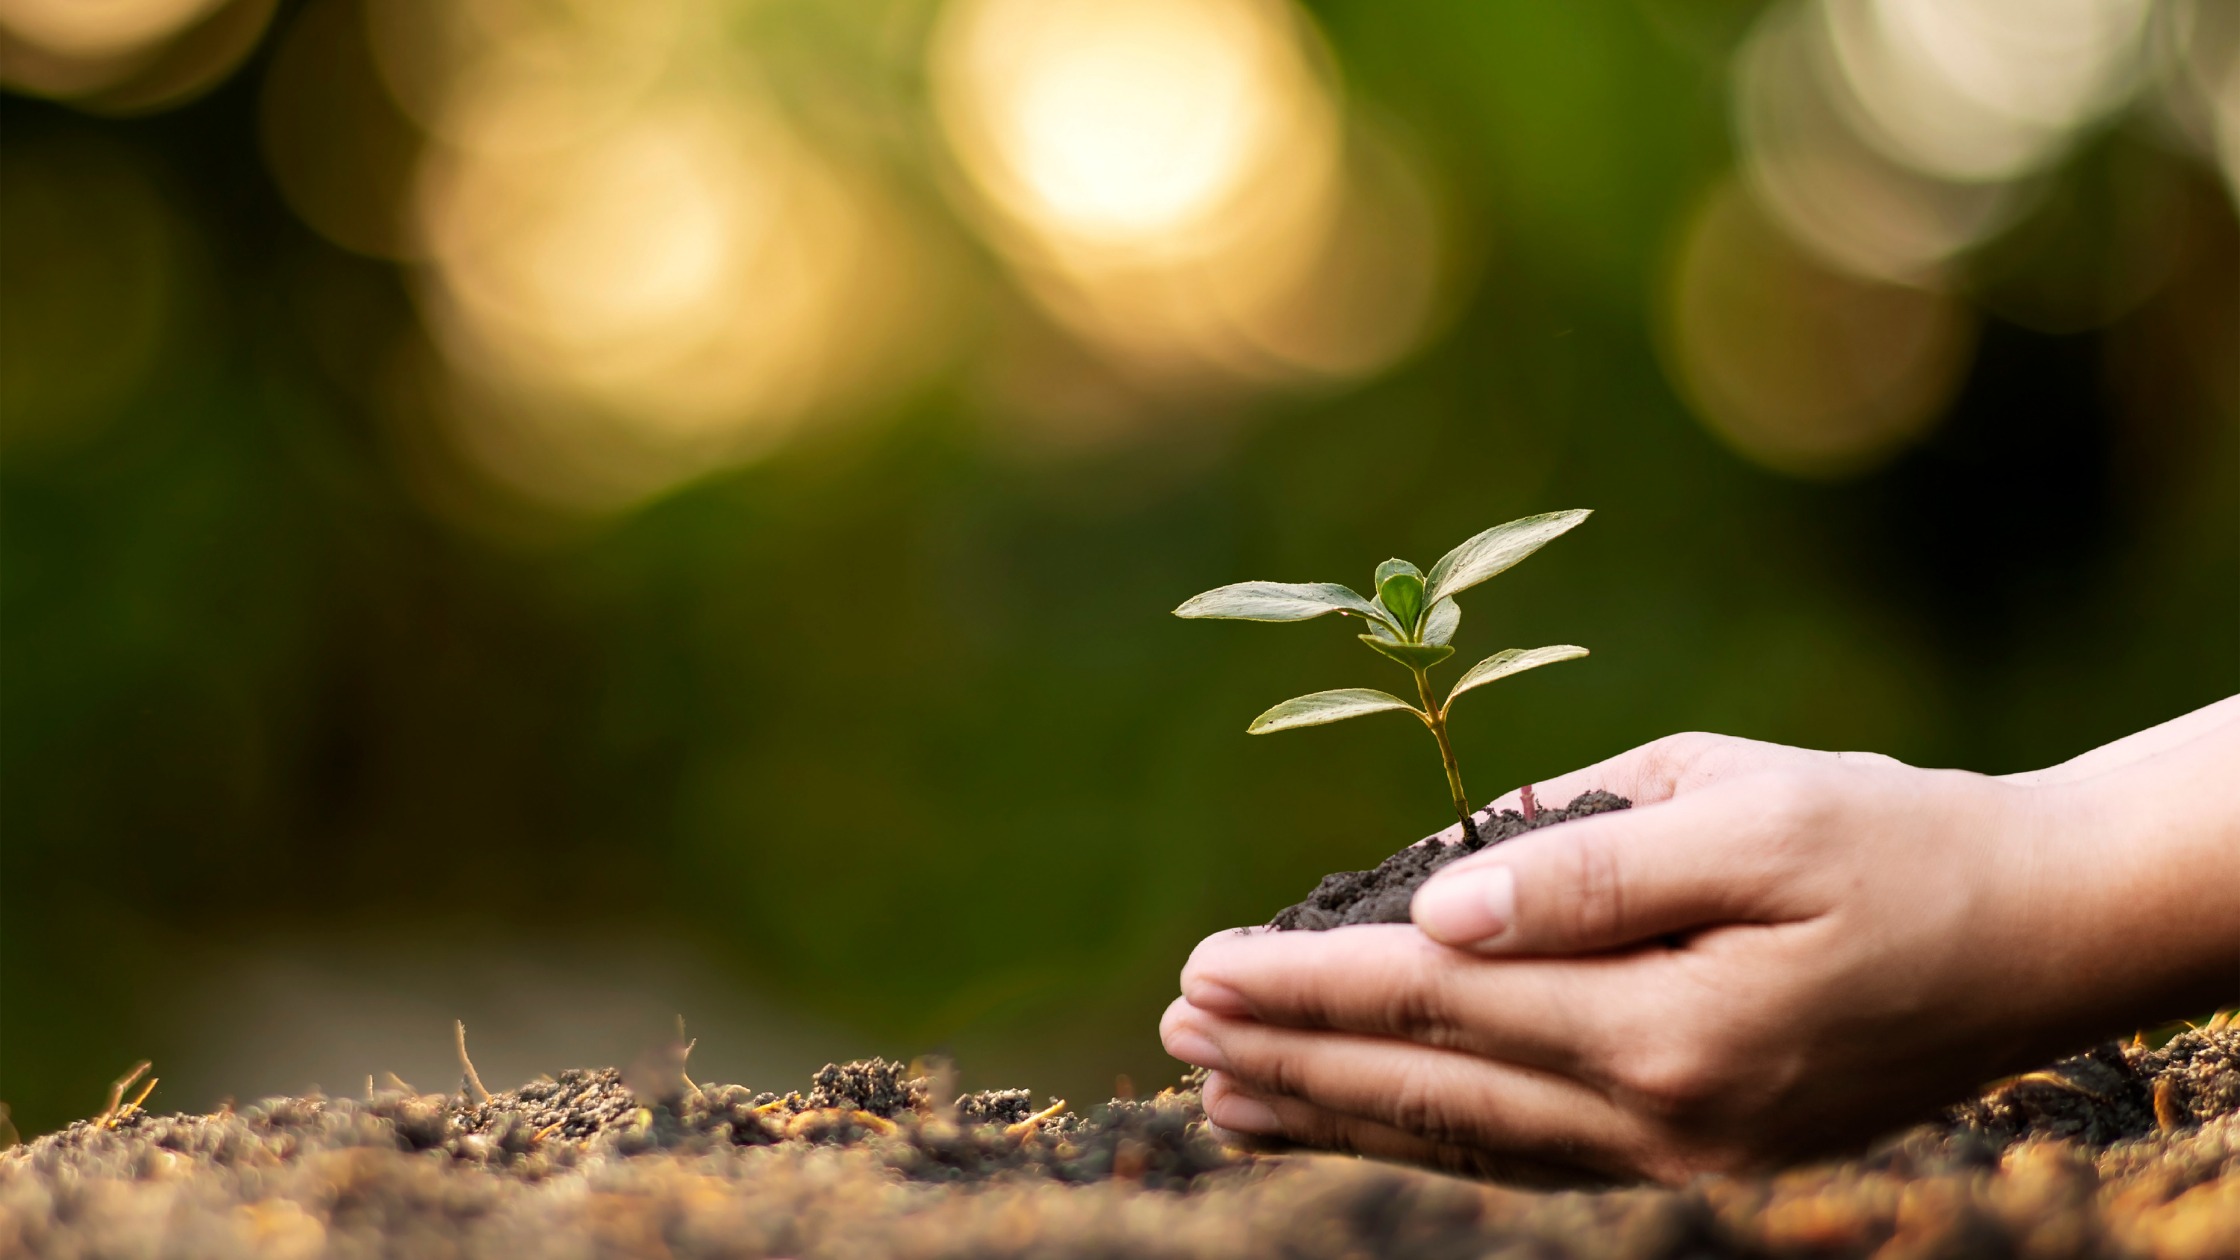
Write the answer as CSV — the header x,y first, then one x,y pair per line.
x,y
1777,953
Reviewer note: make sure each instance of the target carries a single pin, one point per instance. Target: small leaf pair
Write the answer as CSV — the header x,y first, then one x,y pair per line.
x,y
1412,619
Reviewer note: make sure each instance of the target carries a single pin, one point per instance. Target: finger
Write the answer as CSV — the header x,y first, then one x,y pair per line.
x,y
1436,1096
1240,1112
1725,854
1390,980
1656,771
1663,768
1231,1107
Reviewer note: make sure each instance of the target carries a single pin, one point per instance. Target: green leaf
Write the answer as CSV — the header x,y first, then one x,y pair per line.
x,y
1412,655
1383,629
1327,706
1400,587
1439,627
1275,601
1496,549
1390,567
1510,661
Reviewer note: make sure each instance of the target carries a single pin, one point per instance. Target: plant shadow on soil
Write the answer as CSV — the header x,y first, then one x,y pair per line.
x,y
2129,1149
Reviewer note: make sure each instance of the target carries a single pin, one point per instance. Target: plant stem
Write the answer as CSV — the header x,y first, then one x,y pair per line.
x,y
1436,718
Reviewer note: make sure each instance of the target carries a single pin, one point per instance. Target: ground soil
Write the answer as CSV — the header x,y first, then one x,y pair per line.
x,y
1382,895
2126,1151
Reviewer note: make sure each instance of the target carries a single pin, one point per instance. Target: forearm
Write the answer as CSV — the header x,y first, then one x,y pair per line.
x,y
2144,879
2132,749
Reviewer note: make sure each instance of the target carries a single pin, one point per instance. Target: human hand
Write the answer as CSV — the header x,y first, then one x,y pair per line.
x,y
1776,952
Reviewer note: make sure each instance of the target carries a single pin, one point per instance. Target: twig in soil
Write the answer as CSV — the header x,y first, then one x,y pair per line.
x,y
1531,810
117,1105
815,1120
472,1080
684,1056
140,1097
2046,1076
1028,1125
2166,1113
398,1082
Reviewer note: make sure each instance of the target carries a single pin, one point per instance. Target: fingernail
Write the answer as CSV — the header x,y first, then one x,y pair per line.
x,y
1468,907
1195,1048
1244,1114
1215,997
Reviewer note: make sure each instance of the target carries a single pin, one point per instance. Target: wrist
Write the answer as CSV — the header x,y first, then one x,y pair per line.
x,y
2135,871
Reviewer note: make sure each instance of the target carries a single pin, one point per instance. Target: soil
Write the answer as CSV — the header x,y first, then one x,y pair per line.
x,y
1382,895
2129,1150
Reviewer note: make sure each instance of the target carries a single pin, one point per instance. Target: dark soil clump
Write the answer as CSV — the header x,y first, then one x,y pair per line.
x,y
1382,895
2112,1093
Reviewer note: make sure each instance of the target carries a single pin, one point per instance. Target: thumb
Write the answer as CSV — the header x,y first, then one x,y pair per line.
x,y
1611,880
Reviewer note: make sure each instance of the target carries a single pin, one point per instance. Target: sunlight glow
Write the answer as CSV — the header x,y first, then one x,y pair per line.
x,y
673,293
125,56
1892,136
639,269
1982,89
96,29
1175,182
1798,367
525,75
1148,125
1843,198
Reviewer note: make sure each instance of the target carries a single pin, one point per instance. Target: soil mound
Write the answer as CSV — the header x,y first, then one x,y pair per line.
x,y
1382,895
2129,1150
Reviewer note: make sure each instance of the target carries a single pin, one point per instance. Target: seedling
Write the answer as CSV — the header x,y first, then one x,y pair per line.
x,y
1412,619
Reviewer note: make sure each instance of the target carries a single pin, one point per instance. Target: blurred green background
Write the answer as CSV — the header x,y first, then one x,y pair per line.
x,y
562,515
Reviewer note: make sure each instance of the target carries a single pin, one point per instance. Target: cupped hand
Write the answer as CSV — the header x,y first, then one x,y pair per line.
x,y
1775,952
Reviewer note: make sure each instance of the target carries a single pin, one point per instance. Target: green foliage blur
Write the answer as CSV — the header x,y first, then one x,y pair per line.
x,y
892,723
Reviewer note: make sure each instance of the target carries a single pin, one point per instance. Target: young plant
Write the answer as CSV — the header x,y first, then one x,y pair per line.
x,y
1412,619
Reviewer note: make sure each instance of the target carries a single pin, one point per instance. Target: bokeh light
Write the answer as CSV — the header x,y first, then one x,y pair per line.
x,y
2202,80
638,266
1893,136
100,29
1177,182
671,293
1933,144
1977,90
124,56
1854,204
1148,126
1797,366
336,144
513,76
